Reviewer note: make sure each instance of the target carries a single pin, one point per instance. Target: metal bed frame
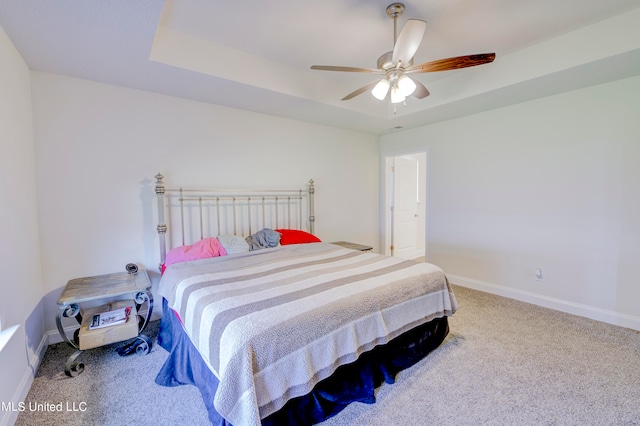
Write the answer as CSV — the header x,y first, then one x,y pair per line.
x,y
198,213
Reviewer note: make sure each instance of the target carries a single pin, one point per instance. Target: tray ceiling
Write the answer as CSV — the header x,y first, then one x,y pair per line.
x,y
256,55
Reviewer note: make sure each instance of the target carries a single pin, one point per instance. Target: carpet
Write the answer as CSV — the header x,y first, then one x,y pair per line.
x,y
504,362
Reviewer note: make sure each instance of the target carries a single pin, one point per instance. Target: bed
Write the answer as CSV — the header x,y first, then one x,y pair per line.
x,y
290,333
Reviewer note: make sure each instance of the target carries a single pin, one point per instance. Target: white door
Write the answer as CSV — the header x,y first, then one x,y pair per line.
x,y
406,215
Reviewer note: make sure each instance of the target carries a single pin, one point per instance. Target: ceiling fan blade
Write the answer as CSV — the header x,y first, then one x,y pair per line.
x,y
346,69
453,63
360,91
421,91
408,41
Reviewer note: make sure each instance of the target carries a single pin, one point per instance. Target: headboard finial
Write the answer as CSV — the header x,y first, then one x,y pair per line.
x,y
312,218
159,184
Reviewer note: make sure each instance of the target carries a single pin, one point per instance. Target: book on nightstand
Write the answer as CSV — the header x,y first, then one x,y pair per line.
x,y
109,318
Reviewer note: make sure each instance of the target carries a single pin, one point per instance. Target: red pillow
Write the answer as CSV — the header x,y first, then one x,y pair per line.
x,y
295,236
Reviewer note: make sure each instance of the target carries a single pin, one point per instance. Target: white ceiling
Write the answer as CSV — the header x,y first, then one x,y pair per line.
x,y
256,55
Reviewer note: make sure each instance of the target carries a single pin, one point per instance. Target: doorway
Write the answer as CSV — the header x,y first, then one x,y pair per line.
x,y
405,205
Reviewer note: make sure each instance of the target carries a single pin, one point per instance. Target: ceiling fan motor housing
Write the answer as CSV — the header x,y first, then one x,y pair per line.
x,y
385,62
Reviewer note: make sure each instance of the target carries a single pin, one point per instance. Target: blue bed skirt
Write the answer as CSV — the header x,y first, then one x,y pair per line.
x,y
349,383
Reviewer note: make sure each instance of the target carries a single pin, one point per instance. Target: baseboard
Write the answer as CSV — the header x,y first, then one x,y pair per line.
x,y
611,317
54,337
9,417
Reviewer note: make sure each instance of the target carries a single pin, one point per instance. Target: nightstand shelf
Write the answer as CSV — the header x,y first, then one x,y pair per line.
x,y
78,300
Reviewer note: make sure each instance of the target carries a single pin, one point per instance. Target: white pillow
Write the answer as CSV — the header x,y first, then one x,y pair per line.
x,y
233,244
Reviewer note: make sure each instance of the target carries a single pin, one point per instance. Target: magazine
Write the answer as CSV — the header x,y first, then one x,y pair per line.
x,y
109,318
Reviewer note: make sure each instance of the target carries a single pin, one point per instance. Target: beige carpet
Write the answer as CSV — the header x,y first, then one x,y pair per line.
x,y
504,363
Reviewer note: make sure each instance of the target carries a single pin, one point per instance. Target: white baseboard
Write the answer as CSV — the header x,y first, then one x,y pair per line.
x,y
611,317
54,337
9,417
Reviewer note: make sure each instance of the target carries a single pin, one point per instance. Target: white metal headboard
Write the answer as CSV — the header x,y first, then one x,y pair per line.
x,y
188,215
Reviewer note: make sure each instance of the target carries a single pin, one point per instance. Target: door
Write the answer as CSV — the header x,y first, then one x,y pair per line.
x,y
407,207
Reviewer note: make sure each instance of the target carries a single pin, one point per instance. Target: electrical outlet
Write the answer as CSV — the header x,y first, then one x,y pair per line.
x,y
539,275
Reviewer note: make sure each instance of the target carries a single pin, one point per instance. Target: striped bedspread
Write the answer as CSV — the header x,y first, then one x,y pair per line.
x,y
272,323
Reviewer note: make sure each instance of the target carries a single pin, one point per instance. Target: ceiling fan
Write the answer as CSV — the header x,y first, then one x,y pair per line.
x,y
397,65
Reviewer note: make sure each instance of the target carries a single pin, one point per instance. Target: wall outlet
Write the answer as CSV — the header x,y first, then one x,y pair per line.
x,y
539,275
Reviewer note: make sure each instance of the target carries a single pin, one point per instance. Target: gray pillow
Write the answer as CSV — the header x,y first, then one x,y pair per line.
x,y
264,238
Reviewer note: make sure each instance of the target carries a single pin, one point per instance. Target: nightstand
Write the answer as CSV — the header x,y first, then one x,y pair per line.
x,y
78,300
353,246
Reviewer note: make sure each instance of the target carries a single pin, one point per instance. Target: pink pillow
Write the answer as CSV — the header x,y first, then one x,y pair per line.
x,y
295,236
208,247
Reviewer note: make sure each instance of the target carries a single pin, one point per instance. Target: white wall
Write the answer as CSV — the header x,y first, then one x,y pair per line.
x,y
21,283
98,148
552,183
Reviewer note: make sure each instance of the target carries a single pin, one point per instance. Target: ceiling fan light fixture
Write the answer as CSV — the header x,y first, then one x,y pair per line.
x,y
380,90
395,64
406,85
396,95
